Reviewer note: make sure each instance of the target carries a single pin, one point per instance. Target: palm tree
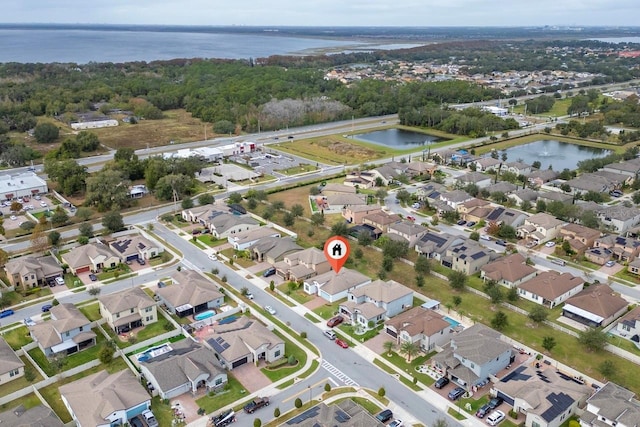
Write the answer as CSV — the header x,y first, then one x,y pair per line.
x,y
410,349
388,346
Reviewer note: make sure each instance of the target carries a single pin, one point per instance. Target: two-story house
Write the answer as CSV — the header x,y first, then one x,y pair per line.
x,y
302,265
407,231
90,257
509,271
128,309
190,294
473,355
619,218
29,272
68,331
611,405
485,164
419,325
376,301
333,286
455,198
468,257
105,400
381,220
435,245
550,288
11,366
540,228
225,224
243,240
620,248
355,213
628,326
501,215
579,237
478,179
188,367
273,249
245,341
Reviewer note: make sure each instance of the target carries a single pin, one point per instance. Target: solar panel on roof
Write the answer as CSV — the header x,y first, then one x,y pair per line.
x,y
477,255
341,417
560,402
495,214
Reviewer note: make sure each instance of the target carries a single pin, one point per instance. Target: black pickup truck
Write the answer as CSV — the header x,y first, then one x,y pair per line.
x,y
256,403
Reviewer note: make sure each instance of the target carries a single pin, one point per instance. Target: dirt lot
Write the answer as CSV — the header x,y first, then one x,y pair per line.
x,y
333,150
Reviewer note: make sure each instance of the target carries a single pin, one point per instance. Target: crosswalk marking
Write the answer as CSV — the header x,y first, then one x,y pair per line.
x,y
338,374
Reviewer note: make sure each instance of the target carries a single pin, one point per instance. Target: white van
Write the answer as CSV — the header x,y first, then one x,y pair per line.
x,y
330,334
558,261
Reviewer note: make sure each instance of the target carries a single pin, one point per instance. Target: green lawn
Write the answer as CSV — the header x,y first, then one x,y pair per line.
x,y
17,338
367,404
155,329
298,295
211,241
92,311
232,392
350,330
328,310
295,170
29,401
410,367
20,383
291,349
162,411
117,272
13,297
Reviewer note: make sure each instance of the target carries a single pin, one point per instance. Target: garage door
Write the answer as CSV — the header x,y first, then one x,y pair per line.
x,y
392,333
132,257
83,269
239,362
506,398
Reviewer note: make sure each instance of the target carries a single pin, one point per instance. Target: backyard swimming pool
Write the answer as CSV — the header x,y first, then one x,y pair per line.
x,y
153,352
452,322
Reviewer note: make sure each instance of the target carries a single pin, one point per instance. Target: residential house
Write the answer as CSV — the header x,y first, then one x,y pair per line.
x,y
469,208
128,309
521,196
358,179
334,188
434,245
579,237
478,179
538,178
187,367
105,400
540,228
545,396
11,366
619,218
131,248
243,240
598,256
373,232
634,267
473,355
550,288
423,192
485,164
224,224
199,214
355,213
344,413
376,301
303,264
518,168
611,405
622,249
273,249
333,286
591,182
381,220
509,271
618,180
387,174
455,198
38,416
190,294
30,272
503,187
68,331
555,196
418,168
419,325
90,257
501,215
628,325
245,341
338,202
468,257
408,231
596,306
630,168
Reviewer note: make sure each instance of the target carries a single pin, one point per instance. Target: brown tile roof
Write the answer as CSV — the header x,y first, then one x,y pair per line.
x,y
598,299
380,290
8,358
552,284
126,300
510,268
419,320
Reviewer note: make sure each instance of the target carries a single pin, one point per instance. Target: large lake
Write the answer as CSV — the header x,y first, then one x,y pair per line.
x,y
398,138
560,155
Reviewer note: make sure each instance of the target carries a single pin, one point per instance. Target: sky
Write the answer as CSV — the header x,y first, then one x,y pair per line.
x,y
423,13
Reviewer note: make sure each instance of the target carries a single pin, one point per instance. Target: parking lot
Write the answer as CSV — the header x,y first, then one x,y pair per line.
x,y
38,203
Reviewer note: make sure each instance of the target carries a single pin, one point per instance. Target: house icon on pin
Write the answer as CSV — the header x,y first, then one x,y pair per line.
x,y
336,250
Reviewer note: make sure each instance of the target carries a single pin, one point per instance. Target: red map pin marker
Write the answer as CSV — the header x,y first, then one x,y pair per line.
x,y
336,249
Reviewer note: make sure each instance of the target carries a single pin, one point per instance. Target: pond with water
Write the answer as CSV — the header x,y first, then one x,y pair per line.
x,y
559,155
398,138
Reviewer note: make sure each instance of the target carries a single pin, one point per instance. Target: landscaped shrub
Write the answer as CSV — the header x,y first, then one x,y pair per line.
x,y
292,360
381,392
298,403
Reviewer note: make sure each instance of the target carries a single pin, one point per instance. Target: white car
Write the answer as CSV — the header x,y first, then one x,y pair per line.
x,y
213,257
249,295
610,264
415,206
43,204
495,418
270,310
13,217
29,322
550,244
396,423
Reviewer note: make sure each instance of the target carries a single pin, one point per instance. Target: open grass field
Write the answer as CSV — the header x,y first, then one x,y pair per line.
x,y
177,125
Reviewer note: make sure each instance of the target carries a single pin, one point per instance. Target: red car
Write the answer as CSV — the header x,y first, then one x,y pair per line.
x,y
335,321
342,344
411,218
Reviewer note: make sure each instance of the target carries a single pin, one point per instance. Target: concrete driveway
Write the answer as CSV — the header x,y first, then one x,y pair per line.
x,y
251,377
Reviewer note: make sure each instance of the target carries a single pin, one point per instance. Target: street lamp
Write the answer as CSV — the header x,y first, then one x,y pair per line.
x,y
309,387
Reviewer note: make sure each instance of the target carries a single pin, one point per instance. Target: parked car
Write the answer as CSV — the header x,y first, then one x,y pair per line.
x,y
135,422
495,402
140,261
411,218
550,244
395,423
223,419
441,382
616,193
610,263
471,223
29,322
43,204
456,393
270,310
501,242
485,237
558,261
495,418
269,272
6,313
213,257
59,281
249,295
335,321
255,404
384,416
93,277
416,205
329,334
462,222
149,418
45,308
342,343
483,410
